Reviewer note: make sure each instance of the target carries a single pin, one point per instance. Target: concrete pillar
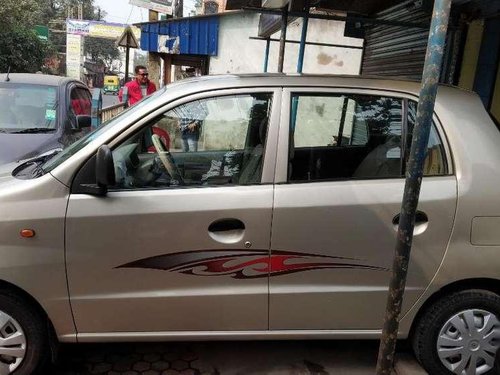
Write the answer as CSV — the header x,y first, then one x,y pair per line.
x,y
154,60
154,68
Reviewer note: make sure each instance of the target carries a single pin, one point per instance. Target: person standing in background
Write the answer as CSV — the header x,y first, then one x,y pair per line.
x,y
138,88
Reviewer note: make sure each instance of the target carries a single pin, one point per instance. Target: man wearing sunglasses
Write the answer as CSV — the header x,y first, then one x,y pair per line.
x,y
140,87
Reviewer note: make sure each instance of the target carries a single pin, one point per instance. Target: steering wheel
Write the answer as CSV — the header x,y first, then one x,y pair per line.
x,y
166,159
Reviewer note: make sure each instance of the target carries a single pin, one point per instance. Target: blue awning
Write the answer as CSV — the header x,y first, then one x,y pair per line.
x,y
195,36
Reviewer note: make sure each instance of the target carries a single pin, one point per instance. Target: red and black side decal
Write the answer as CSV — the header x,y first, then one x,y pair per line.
x,y
245,264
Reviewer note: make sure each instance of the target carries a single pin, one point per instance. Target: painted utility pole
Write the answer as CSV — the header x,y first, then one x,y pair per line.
x,y
414,173
303,38
284,24
266,58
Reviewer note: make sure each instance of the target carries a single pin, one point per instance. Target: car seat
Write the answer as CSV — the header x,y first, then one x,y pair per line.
x,y
383,161
252,164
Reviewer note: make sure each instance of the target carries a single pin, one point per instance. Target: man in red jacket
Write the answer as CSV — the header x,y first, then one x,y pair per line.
x,y
140,87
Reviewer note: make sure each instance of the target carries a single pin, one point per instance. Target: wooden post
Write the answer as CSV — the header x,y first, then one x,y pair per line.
x,y
167,68
127,57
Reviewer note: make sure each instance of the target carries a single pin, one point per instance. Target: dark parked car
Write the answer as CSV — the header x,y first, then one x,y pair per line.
x,y
40,114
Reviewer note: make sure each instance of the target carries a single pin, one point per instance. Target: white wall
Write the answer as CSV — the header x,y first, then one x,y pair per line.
x,y
239,54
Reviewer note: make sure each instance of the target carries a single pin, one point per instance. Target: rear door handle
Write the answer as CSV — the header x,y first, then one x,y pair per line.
x,y
227,230
420,218
421,223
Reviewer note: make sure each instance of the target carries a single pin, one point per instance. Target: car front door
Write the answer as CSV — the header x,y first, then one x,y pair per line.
x,y
181,242
341,165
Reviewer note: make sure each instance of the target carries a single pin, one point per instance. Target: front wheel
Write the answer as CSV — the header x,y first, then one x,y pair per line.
x,y
23,337
459,334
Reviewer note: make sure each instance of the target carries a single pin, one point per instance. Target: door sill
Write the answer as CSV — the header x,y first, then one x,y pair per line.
x,y
223,335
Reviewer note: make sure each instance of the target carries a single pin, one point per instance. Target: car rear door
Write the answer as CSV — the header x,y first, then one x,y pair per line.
x,y
158,255
339,189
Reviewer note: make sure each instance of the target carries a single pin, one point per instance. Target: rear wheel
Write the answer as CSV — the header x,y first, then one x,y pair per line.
x,y
23,337
459,334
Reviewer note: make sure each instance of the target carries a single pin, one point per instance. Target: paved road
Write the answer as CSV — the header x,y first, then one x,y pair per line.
x,y
220,358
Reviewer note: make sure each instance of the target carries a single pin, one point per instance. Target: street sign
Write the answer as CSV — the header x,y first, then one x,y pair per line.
x,y
160,6
128,39
42,32
98,29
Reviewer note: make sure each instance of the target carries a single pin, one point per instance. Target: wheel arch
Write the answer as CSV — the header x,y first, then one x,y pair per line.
x,y
491,285
32,302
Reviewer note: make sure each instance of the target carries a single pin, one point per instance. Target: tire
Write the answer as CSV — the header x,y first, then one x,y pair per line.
x,y
17,317
482,309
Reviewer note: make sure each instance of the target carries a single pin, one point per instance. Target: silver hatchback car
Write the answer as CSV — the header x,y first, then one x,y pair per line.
x,y
257,207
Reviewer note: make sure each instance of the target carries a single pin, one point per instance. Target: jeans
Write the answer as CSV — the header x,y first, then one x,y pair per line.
x,y
190,142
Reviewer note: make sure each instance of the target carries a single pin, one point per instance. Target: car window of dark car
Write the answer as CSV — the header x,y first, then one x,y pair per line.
x,y
80,101
85,140
27,106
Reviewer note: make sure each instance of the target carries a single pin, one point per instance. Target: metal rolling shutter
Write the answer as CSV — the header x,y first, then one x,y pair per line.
x,y
395,50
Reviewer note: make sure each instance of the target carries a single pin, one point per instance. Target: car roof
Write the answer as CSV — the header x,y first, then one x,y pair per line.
x,y
36,79
313,80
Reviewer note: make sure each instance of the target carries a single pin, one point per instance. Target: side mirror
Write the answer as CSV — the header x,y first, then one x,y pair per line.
x,y
105,168
83,122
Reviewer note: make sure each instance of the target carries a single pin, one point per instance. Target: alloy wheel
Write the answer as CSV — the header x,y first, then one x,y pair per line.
x,y
468,341
12,344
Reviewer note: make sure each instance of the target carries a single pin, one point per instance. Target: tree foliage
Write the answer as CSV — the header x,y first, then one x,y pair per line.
x,y
100,49
62,9
20,49
19,13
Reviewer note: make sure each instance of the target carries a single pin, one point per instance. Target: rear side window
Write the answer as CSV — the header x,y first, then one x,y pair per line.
x,y
435,162
354,136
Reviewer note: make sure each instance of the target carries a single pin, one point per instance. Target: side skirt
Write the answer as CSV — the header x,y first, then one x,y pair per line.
x,y
223,335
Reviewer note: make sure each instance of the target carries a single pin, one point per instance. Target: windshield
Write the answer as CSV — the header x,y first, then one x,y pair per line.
x,y
82,142
24,107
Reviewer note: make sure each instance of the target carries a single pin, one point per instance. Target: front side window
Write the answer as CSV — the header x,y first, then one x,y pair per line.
x,y
26,108
207,142
355,136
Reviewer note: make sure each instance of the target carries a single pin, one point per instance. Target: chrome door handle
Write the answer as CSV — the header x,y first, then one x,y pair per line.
x,y
420,218
227,230
421,223
224,225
